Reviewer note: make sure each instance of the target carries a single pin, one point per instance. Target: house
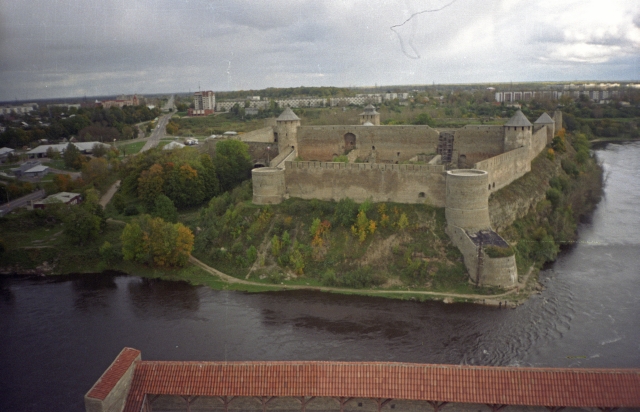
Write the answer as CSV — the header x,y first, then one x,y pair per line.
x,y
21,169
4,153
36,171
41,151
66,198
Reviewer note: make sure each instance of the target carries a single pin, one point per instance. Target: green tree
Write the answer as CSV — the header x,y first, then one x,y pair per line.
x,y
156,242
99,150
424,119
72,157
163,208
233,163
80,225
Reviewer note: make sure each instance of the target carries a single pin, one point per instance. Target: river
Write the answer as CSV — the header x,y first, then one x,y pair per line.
x,y
57,335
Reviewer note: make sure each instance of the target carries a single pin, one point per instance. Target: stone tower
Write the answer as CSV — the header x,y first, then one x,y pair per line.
x,y
557,118
467,201
517,132
268,185
469,227
286,131
545,121
370,115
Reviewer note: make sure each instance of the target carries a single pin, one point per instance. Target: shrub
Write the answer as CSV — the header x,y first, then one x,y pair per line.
x,y
498,252
554,196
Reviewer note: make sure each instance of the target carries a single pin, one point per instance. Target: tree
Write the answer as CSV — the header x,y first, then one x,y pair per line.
x,y
52,153
95,171
72,157
99,150
233,163
150,184
80,225
156,242
63,183
164,209
424,118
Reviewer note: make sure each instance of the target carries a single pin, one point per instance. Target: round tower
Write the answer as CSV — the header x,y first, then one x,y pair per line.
x,y
517,132
287,131
467,200
370,115
268,185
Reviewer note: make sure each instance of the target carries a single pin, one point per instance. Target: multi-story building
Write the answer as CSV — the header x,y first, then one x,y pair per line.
x,y
204,103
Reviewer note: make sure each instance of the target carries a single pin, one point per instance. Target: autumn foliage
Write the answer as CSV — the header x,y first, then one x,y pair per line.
x,y
155,242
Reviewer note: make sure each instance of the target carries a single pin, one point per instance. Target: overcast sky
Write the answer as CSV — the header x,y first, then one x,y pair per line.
x,y
60,48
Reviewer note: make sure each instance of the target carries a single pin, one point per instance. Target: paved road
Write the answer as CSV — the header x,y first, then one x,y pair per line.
x,y
21,201
157,133
169,104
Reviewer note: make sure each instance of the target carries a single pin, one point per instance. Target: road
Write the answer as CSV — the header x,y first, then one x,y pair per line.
x,y
157,133
169,105
21,201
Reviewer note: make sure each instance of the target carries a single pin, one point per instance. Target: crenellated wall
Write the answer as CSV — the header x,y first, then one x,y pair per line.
x,y
391,144
361,181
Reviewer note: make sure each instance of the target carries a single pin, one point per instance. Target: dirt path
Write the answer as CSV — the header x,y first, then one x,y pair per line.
x,y
487,299
106,198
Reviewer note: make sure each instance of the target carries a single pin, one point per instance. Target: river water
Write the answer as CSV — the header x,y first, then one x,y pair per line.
x,y
57,335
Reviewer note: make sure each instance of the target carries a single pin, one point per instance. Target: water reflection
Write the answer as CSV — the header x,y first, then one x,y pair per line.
x,y
93,291
164,299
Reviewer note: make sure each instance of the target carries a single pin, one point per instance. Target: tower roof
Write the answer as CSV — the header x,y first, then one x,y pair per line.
x,y
519,119
369,110
544,119
287,115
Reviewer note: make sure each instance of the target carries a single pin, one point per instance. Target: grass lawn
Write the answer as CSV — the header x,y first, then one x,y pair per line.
x,y
59,164
131,148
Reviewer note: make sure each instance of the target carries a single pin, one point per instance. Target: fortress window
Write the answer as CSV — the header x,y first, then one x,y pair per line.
x,y
494,185
489,186
421,194
373,148
398,154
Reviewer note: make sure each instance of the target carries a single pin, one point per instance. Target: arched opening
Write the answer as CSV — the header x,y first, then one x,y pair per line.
x,y
257,165
349,142
462,161
373,148
421,194
489,187
275,137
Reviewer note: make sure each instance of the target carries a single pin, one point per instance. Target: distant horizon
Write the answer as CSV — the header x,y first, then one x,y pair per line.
x,y
74,48
380,86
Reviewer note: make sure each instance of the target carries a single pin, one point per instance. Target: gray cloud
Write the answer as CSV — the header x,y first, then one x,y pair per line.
x,y
74,47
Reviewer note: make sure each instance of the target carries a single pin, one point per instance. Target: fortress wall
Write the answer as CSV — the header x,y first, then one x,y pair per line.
x,y
321,143
538,142
500,272
264,135
478,143
362,181
506,167
466,246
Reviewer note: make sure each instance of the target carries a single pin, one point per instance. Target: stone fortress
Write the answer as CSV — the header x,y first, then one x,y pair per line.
x,y
453,168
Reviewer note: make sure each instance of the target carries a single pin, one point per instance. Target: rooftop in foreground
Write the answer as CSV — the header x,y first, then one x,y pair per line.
x,y
435,384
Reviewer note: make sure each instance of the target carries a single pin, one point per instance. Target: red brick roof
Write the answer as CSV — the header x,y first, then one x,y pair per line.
x,y
448,383
111,376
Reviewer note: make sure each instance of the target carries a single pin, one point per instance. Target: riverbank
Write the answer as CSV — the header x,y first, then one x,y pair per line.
x,y
408,257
